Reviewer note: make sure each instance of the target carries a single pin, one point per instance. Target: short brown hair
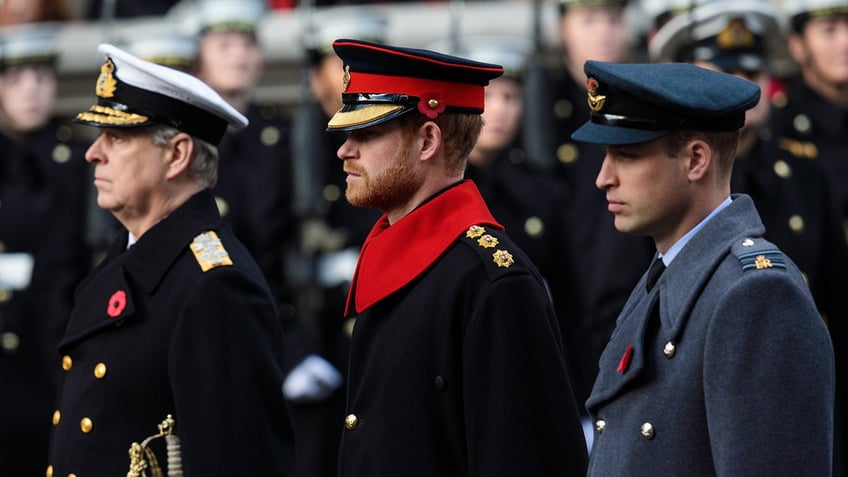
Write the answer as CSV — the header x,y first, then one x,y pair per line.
x,y
723,143
459,134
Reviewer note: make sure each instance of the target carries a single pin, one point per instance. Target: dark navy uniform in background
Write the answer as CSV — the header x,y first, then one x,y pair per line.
x,y
154,334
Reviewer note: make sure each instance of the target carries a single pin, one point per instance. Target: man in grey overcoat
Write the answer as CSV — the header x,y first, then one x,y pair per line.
x,y
719,363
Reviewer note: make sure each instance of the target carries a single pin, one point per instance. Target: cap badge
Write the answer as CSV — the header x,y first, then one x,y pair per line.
x,y
596,101
106,83
503,258
430,104
346,77
735,35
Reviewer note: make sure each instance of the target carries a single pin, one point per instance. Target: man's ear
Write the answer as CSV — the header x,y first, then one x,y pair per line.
x,y
430,137
797,49
178,154
701,158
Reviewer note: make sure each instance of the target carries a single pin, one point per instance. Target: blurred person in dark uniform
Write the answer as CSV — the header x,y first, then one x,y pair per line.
x,y
99,9
254,190
457,365
607,262
811,118
533,206
178,319
43,191
332,232
720,363
809,122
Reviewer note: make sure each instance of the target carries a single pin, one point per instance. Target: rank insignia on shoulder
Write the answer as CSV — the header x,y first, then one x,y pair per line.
x,y
209,251
503,258
762,259
475,231
487,241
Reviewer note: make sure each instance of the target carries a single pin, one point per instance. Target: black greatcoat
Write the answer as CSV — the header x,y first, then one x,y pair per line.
x,y
203,346
456,365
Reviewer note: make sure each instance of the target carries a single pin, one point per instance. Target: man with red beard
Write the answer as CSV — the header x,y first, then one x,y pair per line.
x,y
457,366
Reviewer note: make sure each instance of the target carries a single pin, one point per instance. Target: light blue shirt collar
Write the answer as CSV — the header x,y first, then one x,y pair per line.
x,y
678,246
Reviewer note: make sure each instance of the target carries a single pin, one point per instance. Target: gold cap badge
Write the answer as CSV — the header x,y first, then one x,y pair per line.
x,y
106,83
596,101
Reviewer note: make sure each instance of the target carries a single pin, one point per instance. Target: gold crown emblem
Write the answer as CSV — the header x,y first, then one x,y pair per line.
x,y
596,101
346,77
106,83
735,35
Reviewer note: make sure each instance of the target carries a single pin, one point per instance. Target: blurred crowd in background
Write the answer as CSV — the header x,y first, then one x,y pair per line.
x,y
281,185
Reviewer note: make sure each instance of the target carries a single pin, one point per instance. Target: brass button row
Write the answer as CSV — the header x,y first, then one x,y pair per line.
x,y
99,368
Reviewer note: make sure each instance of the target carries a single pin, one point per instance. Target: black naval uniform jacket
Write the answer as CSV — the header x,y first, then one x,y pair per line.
x,y
43,193
456,365
154,334
724,368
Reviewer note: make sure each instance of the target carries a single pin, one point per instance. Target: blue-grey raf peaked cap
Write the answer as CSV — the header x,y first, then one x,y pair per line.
x,y
632,103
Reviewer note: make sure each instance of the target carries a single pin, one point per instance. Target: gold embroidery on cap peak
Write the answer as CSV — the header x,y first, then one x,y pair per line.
x,y
106,83
106,115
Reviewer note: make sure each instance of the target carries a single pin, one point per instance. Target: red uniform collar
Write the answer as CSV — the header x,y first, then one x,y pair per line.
x,y
392,256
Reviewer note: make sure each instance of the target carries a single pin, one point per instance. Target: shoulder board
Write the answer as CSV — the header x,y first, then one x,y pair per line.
x,y
209,251
758,254
801,149
485,241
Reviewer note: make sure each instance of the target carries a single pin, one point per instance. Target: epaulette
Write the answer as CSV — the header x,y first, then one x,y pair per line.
x,y
209,251
758,254
500,256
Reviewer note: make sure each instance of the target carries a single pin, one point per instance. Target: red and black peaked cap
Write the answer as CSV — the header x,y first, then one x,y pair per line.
x,y
383,82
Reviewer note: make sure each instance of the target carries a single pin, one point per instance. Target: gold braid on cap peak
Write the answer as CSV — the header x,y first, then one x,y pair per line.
x,y
106,115
142,457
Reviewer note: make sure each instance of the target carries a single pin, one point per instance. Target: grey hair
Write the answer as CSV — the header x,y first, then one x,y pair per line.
x,y
203,163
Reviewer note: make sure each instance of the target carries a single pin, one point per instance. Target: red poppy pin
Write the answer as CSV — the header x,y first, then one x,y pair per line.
x,y
431,104
117,303
625,360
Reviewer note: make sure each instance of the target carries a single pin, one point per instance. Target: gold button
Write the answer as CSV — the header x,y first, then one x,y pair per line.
x,y
5,295
669,349
67,363
72,475
648,430
49,472
782,169
433,103
331,193
796,224
57,416
86,425
347,327
10,342
270,136
600,425
61,153
100,371
802,124
534,226
351,421
223,206
567,153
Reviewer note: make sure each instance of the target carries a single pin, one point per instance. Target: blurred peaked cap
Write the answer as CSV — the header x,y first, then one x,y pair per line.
x,y
635,103
799,11
511,52
356,22
27,44
383,82
199,17
591,3
732,34
661,11
132,92
159,43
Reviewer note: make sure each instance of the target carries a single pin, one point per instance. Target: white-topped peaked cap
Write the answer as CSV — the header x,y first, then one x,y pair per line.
x,y
132,92
161,43
357,22
737,34
204,16
28,43
799,11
